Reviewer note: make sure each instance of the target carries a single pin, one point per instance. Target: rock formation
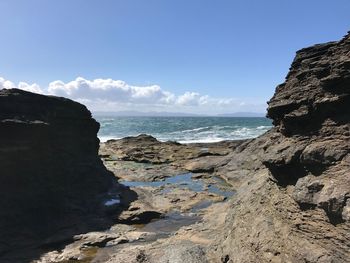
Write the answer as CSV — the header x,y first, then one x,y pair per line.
x,y
52,182
311,110
293,183
293,201
168,158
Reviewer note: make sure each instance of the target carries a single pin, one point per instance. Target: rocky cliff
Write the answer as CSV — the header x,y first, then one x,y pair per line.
x,y
293,199
311,111
52,183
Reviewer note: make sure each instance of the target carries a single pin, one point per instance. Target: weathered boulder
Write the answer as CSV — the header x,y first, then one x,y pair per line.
x,y
52,182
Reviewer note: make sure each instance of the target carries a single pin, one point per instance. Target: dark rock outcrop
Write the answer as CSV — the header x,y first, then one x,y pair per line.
x,y
293,199
52,183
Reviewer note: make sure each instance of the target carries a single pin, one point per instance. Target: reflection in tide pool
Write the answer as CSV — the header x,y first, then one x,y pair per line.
x,y
185,181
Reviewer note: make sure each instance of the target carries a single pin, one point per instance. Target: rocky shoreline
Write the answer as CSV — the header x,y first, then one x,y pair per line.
x,y
178,197
163,200
282,197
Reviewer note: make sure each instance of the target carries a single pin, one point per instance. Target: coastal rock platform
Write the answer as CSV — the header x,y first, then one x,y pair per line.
x,y
171,218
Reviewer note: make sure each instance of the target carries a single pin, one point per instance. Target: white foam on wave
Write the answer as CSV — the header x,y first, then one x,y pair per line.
x,y
106,138
106,123
206,134
105,120
191,130
263,127
237,134
248,133
204,140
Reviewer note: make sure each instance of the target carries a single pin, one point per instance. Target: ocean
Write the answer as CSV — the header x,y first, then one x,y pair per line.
x,y
183,129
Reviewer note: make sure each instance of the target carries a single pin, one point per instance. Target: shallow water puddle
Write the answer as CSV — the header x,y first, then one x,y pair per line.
x,y
171,222
185,181
156,230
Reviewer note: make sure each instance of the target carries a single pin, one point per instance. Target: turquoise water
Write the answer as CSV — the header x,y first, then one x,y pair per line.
x,y
183,129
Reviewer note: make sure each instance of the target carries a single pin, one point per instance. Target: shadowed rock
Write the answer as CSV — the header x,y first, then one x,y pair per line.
x,y
52,183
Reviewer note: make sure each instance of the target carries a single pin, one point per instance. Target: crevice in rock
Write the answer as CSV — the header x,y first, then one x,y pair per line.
x,y
334,219
334,210
225,259
306,206
312,123
315,187
287,174
337,84
316,169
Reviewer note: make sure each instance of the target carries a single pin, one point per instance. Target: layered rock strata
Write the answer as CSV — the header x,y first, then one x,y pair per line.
x,y
293,201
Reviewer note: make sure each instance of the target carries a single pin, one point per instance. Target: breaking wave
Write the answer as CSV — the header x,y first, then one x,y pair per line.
x,y
183,129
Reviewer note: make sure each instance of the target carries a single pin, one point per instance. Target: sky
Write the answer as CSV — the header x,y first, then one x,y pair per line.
x,y
199,56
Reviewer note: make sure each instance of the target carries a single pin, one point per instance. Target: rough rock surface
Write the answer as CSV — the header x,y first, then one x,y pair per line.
x,y
144,158
292,203
168,222
52,183
145,148
311,110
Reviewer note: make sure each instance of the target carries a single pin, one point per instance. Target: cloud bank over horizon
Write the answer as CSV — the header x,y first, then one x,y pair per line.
x,y
117,95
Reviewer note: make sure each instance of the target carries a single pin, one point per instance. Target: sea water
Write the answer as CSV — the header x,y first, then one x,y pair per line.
x,y
183,129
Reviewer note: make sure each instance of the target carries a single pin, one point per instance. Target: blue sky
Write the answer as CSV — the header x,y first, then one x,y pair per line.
x,y
191,56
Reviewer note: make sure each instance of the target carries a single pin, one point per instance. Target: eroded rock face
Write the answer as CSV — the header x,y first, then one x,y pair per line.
x,y
51,178
311,111
292,203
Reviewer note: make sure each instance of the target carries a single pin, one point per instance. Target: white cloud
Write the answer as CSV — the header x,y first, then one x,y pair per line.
x,y
32,88
6,84
189,99
116,95
109,90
